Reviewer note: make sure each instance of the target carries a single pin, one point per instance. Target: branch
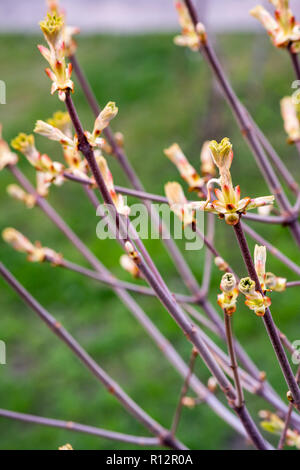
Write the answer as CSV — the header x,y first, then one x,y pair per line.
x,y
115,283
208,255
77,427
183,392
293,284
233,361
295,62
287,419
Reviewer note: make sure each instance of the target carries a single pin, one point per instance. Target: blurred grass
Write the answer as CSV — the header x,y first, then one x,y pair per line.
x,y
164,94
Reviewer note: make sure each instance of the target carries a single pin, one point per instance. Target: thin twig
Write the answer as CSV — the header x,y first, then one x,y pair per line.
x,y
287,419
112,281
183,392
297,144
78,427
208,255
295,62
251,384
293,284
234,364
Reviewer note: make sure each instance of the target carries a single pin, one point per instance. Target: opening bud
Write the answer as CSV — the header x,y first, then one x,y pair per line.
x,y
52,26
228,282
246,286
7,157
129,265
189,402
66,447
275,283
107,114
221,152
19,194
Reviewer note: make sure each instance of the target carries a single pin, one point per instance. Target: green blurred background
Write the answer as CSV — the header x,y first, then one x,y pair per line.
x,y
164,94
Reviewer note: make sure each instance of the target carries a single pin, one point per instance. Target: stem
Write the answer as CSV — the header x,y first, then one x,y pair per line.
x,y
285,429
234,364
297,143
211,247
85,86
239,406
203,320
134,308
243,357
295,62
241,411
77,427
208,256
287,419
183,392
296,207
132,176
267,318
96,370
267,219
119,189
221,357
252,430
118,284
293,284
